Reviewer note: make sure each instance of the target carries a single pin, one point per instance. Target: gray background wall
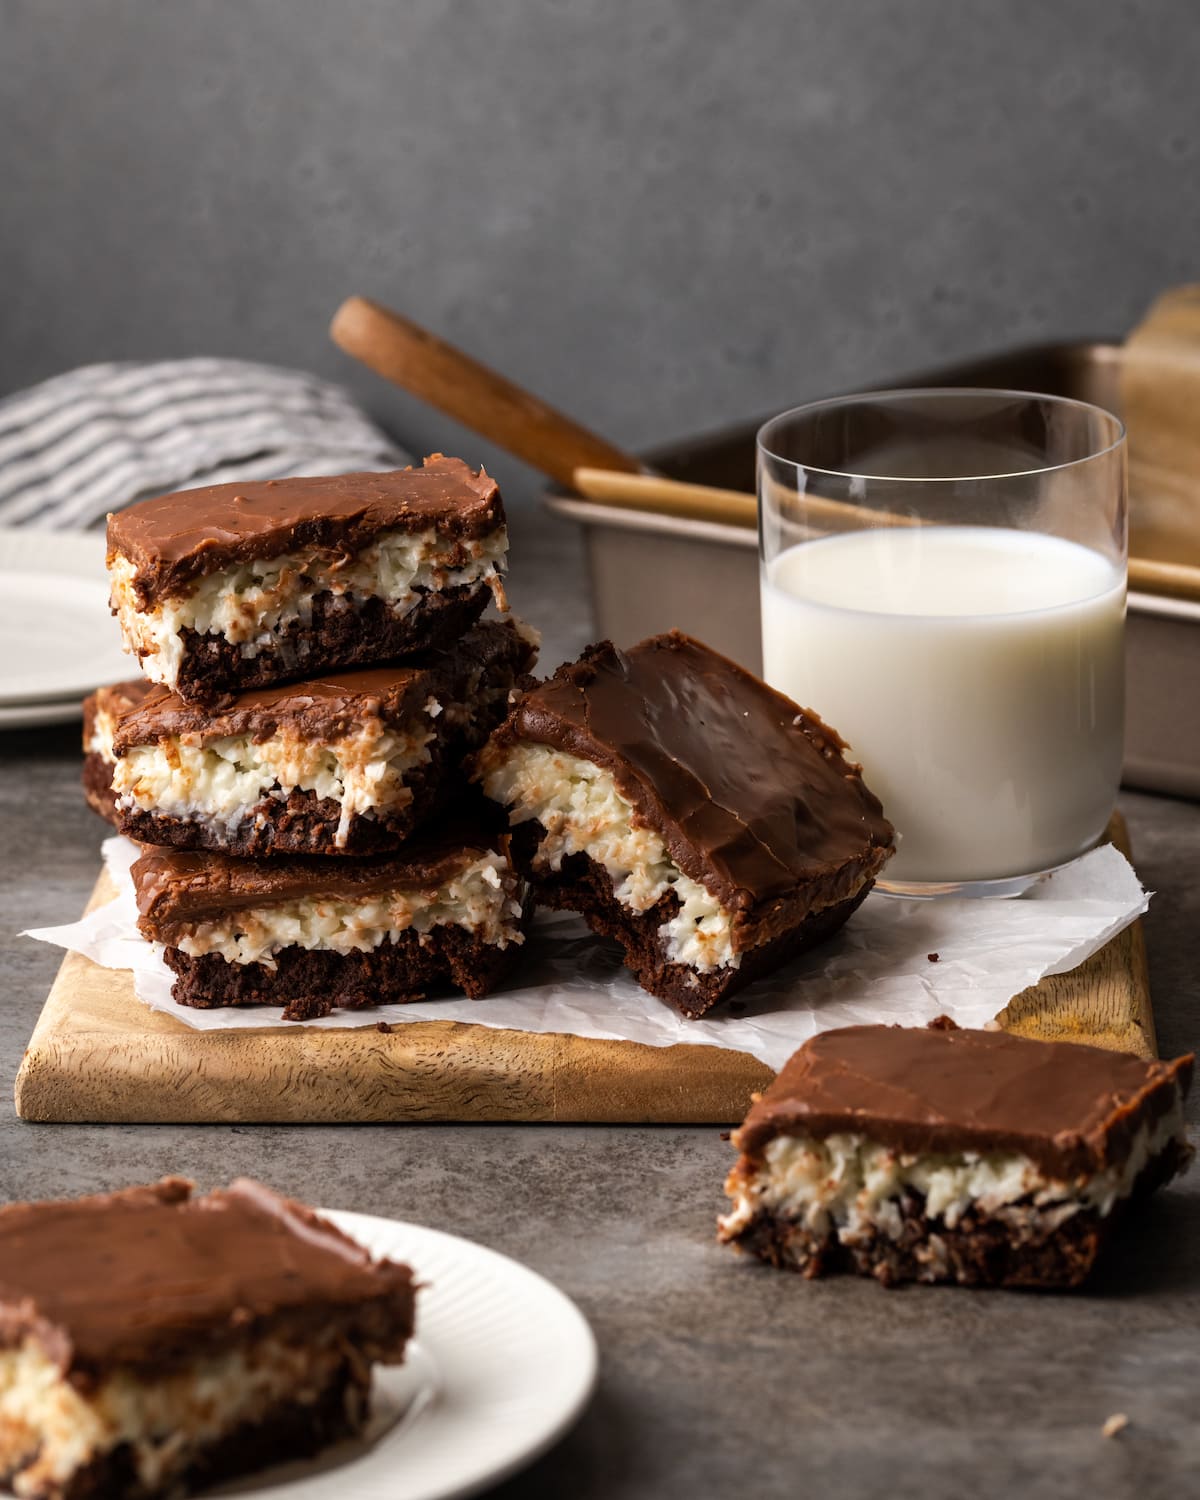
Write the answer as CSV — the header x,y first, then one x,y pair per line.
x,y
663,215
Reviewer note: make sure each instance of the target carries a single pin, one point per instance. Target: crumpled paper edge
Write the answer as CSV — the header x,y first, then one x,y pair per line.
x,y
878,969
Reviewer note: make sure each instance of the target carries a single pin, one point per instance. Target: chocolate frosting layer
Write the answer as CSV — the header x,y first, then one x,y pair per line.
x,y
1071,1109
322,709
172,539
750,793
178,887
118,699
154,1273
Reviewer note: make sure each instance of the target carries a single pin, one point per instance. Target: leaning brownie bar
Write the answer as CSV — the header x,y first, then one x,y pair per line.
x,y
973,1157
685,808
150,1338
312,935
346,764
103,711
242,586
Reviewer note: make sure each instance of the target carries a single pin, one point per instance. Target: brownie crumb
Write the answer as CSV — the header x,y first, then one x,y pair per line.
x,y
933,957
383,1026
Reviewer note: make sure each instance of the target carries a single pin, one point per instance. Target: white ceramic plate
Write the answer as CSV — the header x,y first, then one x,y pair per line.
x,y
38,715
57,638
502,1365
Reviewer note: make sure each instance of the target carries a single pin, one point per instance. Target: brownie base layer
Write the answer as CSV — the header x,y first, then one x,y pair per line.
x,y
584,886
980,1250
977,1252
339,634
97,777
301,823
310,982
299,1430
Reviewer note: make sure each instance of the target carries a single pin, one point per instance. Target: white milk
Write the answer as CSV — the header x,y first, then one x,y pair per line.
x,y
978,675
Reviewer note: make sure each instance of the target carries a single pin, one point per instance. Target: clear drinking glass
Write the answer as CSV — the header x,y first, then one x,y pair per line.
x,y
943,582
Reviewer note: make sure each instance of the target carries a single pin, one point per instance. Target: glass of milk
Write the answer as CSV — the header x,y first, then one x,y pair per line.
x,y
943,582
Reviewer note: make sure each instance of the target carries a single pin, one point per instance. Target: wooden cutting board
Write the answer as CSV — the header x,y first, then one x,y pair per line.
x,y
98,1054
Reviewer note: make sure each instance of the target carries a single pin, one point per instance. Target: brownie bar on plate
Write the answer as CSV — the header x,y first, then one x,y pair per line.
x,y
685,808
346,764
244,585
151,1338
103,710
939,1154
315,934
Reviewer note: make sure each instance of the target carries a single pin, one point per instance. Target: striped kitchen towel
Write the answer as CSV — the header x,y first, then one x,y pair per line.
x,y
96,439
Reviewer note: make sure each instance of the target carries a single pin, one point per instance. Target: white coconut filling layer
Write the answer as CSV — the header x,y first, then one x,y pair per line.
x,y
252,604
100,741
49,1429
855,1186
479,898
225,780
582,812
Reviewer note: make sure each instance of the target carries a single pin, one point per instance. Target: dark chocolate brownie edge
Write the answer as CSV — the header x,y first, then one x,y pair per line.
x,y
581,885
297,1430
979,1251
310,982
303,823
976,1252
97,787
340,634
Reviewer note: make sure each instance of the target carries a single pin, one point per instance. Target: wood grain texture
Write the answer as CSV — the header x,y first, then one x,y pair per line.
x,y
98,1054
481,399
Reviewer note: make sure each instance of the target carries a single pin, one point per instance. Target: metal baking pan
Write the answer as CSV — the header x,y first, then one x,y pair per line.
x,y
650,573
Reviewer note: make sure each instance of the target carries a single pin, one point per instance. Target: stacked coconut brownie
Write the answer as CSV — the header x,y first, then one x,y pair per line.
x,y
332,746
318,673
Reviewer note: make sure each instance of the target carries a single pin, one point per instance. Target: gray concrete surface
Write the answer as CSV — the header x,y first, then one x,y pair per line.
x,y
717,1377
663,215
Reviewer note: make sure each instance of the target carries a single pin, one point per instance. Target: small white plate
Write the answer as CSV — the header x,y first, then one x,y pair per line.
x,y
502,1364
57,637
40,715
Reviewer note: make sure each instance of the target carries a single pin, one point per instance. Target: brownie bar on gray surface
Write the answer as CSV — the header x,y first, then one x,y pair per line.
x,y
688,810
152,1338
241,586
448,911
944,1155
351,763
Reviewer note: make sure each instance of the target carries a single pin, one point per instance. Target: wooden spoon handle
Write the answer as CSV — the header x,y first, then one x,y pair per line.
x,y
415,359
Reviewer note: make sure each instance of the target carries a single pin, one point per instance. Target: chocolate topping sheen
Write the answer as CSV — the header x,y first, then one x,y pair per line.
x,y
750,793
172,539
176,887
325,708
149,1273
1072,1109
119,699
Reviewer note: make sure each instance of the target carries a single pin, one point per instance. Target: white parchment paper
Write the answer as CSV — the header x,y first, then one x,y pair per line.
x,y
877,969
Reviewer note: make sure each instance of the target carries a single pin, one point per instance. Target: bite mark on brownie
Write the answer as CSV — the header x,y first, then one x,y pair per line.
x,y
578,810
584,886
